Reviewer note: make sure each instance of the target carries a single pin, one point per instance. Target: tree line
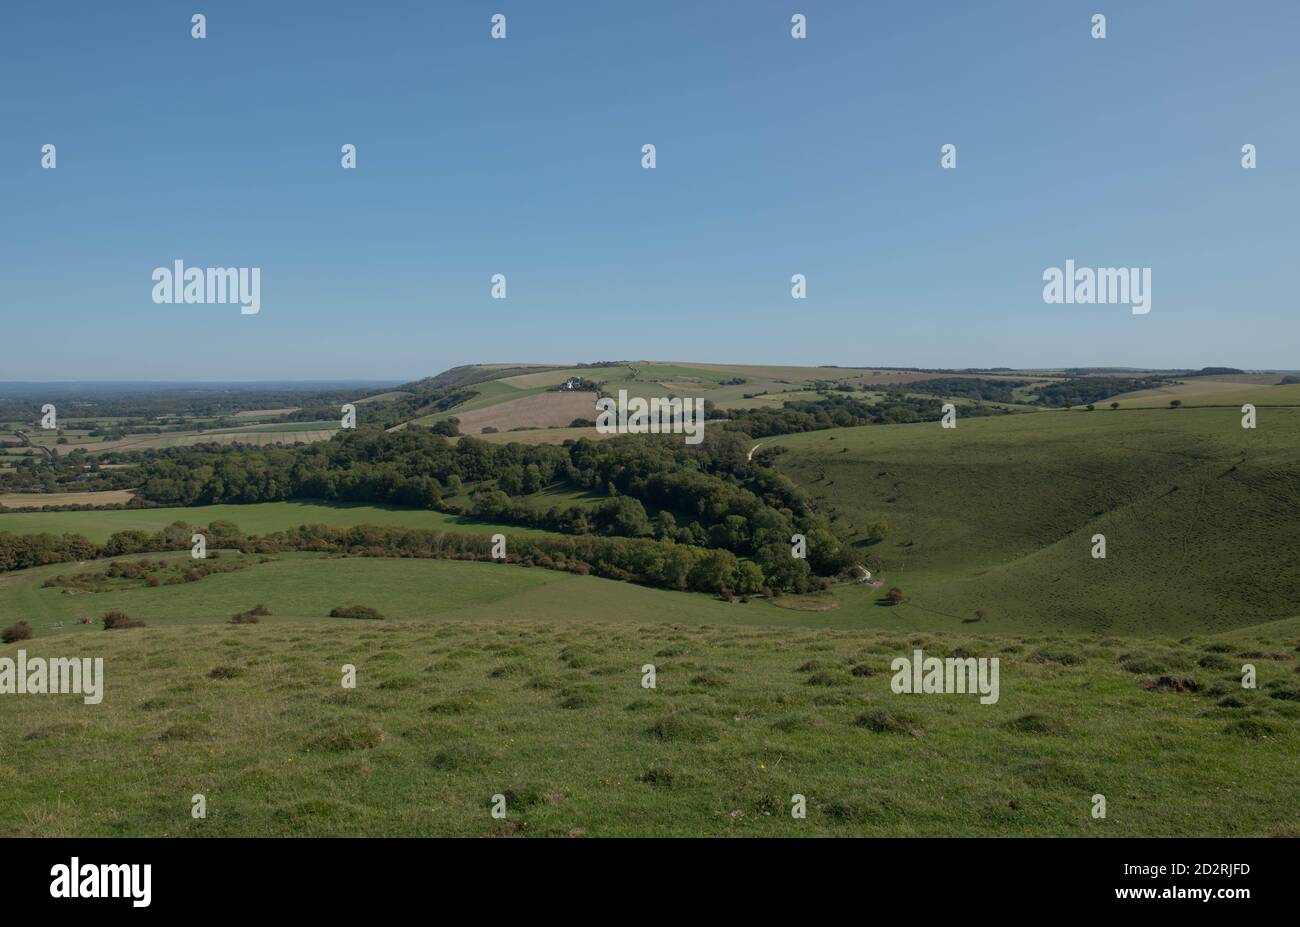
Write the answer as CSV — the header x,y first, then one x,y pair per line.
x,y
661,563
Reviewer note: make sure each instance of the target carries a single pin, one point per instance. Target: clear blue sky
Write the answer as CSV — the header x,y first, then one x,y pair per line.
x,y
522,156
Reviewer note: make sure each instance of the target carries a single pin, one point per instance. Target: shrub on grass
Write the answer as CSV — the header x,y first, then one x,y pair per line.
x,y
355,611
115,620
21,630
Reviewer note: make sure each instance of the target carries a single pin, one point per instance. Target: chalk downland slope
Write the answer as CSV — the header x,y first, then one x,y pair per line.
x,y
998,516
551,714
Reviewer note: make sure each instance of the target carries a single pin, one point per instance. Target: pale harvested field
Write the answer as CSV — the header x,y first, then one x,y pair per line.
x,y
781,372
1260,389
265,413
35,500
391,394
543,436
187,439
904,376
551,377
541,410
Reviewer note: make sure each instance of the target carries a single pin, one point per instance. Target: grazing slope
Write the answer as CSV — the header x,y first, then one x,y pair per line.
x,y
300,586
553,716
1200,516
254,518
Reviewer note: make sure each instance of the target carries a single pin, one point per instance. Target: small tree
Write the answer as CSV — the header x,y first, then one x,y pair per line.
x,y
1091,407
1114,405
1175,403
894,596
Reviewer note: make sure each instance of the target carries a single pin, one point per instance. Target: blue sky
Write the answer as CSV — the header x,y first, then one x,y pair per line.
x,y
522,156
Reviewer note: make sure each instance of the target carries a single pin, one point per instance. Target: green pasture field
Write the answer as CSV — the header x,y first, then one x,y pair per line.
x,y
549,711
998,516
1235,390
256,518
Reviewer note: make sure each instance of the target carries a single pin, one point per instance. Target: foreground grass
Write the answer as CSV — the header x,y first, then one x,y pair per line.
x,y
447,714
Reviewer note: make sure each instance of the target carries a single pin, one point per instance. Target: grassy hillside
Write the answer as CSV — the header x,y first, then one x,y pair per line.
x,y
258,518
498,403
298,586
553,715
1230,390
998,514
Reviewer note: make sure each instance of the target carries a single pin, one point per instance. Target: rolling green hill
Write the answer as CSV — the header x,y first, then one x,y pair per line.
x,y
997,515
256,518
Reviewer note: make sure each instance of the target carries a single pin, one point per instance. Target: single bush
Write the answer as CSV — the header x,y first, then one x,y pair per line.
x,y
20,630
115,620
356,611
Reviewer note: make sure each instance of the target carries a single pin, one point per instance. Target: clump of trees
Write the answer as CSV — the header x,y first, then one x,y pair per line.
x,y
1083,390
707,495
661,562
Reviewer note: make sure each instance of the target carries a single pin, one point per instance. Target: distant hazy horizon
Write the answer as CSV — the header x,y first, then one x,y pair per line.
x,y
11,386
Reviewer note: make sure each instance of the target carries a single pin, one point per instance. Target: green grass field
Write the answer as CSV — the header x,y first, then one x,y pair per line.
x,y
998,515
300,586
1260,389
258,518
551,713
